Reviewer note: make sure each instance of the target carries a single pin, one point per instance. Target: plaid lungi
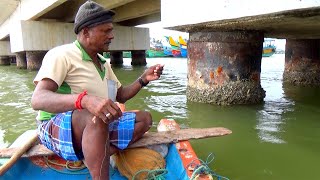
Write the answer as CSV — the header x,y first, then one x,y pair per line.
x,y
56,134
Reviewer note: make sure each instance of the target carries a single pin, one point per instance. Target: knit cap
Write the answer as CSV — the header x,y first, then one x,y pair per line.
x,y
91,14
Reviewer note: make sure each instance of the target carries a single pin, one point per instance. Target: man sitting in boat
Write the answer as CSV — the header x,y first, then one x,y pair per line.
x,y
78,116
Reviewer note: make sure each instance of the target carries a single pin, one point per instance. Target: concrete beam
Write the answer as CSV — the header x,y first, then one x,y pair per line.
x,y
8,6
5,48
142,20
42,36
294,24
71,9
28,10
138,8
293,19
130,38
114,3
39,35
195,12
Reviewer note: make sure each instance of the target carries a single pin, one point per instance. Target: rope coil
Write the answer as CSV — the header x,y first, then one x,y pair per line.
x,y
203,168
72,169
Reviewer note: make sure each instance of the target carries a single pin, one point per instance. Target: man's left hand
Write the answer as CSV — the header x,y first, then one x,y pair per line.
x,y
152,73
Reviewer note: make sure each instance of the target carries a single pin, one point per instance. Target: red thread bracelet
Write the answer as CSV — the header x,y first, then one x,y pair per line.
x,y
77,104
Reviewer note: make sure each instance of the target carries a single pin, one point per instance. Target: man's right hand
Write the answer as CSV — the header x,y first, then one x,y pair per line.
x,y
105,109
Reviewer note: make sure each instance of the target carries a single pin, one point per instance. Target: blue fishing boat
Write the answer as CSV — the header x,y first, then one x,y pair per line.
x,y
26,168
167,49
40,163
183,47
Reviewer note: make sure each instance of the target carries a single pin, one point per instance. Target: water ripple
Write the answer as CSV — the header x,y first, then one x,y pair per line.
x,y
172,105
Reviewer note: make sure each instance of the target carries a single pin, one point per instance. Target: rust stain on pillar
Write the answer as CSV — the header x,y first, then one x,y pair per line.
x,y
34,59
302,61
224,67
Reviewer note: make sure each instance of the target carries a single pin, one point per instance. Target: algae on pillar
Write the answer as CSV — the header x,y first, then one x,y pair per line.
x,y
302,62
21,60
224,67
34,59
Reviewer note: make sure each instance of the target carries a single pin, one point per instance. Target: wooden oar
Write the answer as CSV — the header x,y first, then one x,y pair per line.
x,y
150,138
18,153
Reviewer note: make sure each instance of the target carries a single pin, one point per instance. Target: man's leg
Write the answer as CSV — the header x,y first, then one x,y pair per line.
x,y
93,140
143,122
142,125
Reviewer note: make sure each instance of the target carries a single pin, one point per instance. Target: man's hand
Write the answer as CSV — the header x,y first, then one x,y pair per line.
x,y
152,73
105,109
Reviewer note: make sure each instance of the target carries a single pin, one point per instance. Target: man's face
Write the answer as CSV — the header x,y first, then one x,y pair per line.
x,y
100,37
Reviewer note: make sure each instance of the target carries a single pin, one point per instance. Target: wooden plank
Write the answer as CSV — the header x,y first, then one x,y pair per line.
x,y
17,154
150,138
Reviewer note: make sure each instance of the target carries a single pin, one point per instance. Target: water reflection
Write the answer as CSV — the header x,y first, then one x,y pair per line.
x,y
270,120
3,143
271,123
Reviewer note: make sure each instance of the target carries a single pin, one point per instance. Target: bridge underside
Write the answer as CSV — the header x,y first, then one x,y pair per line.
x,y
52,22
224,65
291,24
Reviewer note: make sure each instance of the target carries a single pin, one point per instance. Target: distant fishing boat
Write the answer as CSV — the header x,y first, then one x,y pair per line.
x,y
175,47
126,54
156,49
183,47
269,47
153,53
167,49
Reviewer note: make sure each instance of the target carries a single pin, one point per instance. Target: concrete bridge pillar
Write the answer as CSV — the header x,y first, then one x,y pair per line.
x,y
21,60
138,57
4,60
302,61
116,57
13,60
224,67
34,59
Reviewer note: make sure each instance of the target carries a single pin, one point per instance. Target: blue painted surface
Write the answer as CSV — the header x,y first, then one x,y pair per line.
x,y
184,51
174,165
25,169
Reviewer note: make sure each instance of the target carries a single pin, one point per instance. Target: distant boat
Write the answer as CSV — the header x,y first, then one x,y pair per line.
x,y
153,53
183,47
167,49
175,47
268,47
156,49
126,54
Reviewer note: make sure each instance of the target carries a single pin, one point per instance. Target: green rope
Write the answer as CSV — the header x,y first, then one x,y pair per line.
x,y
157,174
203,168
72,170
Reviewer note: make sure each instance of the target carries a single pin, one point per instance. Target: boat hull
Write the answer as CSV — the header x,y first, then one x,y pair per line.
x,y
178,159
183,51
267,52
26,168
